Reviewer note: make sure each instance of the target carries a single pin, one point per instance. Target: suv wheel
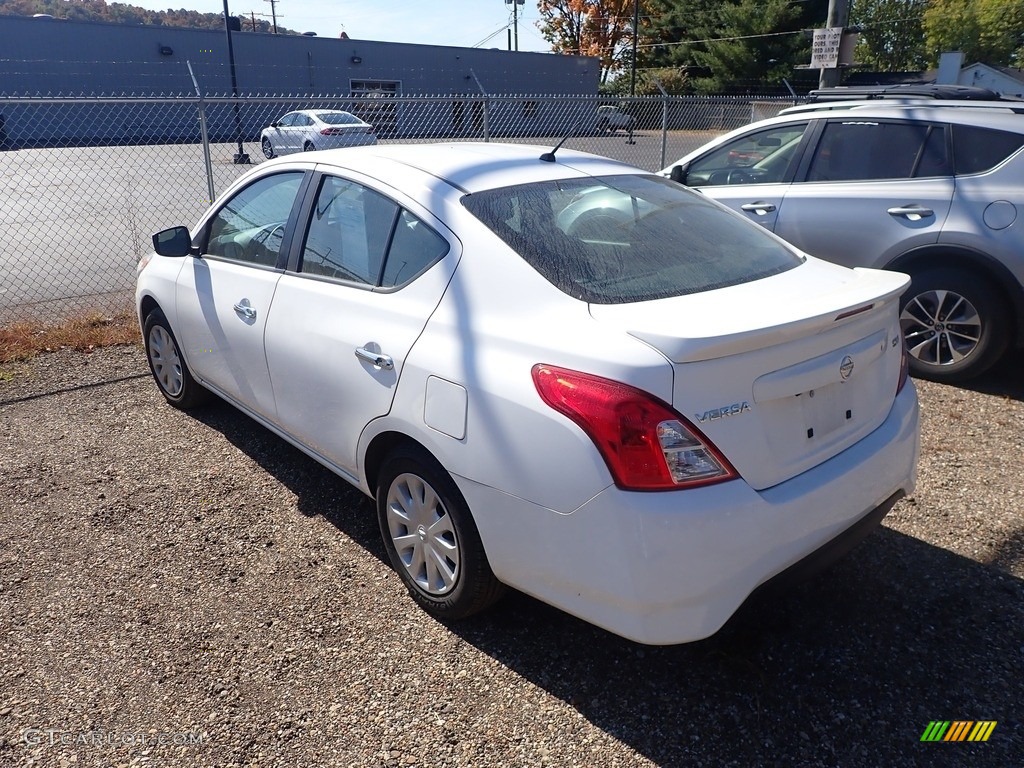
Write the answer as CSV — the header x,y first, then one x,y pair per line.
x,y
956,325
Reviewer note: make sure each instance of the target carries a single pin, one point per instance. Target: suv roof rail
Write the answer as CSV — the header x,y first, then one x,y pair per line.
x,y
921,91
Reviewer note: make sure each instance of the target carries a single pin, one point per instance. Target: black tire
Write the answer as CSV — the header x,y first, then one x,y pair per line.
x,y
268,148
956,324
414,490
308,147
172,376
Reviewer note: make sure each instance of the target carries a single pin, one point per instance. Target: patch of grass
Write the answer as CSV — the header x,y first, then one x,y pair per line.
x,y
25,339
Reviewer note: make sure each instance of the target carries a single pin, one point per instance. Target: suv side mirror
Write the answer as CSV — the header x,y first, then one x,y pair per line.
x,y
678,174
175,242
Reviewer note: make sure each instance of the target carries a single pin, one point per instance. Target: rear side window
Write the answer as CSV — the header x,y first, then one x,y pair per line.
x,y
865,150
357,235
623,239
980,149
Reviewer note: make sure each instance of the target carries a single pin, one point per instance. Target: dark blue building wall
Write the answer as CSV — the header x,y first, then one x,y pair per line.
x,y
62,58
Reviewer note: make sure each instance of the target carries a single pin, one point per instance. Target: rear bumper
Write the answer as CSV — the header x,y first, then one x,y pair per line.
x,y
666,568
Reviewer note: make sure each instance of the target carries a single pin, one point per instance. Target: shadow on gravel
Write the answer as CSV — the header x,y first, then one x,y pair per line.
x,y
845,670
1004,380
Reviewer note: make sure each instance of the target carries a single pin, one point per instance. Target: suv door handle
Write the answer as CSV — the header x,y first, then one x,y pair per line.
x,y
245,310
376,359
759,208
911,212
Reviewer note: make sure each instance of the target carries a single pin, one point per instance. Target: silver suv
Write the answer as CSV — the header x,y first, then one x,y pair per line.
x,y
931,188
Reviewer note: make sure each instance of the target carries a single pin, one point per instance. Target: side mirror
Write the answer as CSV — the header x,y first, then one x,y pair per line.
x,y
175,241
678,174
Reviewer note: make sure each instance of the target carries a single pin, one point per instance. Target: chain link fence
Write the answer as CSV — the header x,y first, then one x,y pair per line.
x,y
86,181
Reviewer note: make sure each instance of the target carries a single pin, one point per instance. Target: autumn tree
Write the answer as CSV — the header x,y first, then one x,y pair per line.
x,y
601,28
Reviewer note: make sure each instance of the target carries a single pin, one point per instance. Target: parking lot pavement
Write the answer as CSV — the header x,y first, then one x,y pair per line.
x,y
188,590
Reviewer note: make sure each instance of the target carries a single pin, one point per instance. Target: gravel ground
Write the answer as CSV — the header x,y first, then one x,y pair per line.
x,y
188,590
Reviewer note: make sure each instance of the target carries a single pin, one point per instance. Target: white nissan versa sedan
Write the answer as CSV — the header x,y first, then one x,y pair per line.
x,y
638,421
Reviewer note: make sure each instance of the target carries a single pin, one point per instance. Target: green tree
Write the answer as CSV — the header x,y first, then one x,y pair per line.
x,y
892,39
722,43
757,41
989,31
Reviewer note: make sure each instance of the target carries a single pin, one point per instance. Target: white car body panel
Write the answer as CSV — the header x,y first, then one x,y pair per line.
x,y
224,348
666,568
316,326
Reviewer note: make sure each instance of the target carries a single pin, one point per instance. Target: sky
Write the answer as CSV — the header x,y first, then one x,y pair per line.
x,y
463,23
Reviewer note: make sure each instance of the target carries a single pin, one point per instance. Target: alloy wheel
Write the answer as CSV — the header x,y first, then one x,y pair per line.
x,y
940,327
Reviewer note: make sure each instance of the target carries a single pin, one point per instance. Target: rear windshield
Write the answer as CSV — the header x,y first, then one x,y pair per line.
x,y
622,239
338,118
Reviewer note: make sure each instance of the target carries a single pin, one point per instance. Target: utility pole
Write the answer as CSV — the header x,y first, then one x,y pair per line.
x,y
515,18
838,16
240,158
273,12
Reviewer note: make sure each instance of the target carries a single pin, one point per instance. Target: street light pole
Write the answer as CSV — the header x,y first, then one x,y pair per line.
x,y
240,158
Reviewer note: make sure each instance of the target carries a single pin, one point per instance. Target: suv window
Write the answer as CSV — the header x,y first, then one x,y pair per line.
x,y
980,149
864,150
757,158
622,239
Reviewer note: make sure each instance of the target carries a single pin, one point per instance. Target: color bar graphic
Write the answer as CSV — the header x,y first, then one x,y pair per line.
x,y
958,730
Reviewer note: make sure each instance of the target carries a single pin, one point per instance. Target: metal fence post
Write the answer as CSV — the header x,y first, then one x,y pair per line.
x,y
205,136
487,107
664,121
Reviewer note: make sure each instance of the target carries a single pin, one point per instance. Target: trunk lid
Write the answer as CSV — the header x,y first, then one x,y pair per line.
x,y
781,374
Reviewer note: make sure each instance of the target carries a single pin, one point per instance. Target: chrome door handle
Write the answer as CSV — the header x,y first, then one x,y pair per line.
x,y
758,208
912,212
245,310
376,359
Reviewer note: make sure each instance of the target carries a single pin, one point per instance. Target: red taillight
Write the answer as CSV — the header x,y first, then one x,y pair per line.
x,y
646,445
331,131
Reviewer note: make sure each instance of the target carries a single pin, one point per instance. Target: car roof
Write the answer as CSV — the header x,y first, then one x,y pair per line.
x,y
468,166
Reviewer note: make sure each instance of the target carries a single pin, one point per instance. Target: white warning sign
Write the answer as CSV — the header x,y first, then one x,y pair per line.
x,y
825,48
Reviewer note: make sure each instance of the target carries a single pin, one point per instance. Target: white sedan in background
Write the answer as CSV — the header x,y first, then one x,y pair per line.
x,y
637,418
307,130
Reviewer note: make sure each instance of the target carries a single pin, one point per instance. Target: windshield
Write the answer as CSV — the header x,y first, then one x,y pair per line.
x,y
621,239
